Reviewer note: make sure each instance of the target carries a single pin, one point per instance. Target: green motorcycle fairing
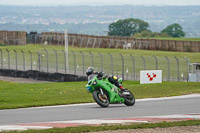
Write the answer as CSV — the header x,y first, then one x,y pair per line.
x,y
103,83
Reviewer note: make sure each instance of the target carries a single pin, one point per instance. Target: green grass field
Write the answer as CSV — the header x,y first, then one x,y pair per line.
x,y
148,54
194,57
18,95
15,95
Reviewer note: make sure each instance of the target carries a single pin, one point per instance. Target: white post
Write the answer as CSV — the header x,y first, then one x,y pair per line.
x,y
66,50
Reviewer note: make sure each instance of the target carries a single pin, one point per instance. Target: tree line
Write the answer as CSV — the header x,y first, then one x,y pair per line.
x,y
139,28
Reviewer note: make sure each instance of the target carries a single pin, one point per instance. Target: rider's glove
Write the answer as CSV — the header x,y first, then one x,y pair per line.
x,y
100,74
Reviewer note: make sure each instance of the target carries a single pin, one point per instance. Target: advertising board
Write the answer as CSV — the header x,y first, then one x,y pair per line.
x,y
150,76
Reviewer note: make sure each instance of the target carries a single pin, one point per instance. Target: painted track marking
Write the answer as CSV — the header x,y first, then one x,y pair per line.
x,y
75,123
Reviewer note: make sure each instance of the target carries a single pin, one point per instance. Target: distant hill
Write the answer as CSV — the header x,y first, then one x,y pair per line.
x,y
95,19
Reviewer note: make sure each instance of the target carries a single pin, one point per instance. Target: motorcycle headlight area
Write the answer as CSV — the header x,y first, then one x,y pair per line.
x,y
94,83
88,88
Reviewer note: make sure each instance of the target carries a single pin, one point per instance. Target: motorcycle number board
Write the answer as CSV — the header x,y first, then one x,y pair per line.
x,y
150,76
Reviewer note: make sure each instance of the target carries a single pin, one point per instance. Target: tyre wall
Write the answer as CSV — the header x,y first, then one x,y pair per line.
x,y
55,77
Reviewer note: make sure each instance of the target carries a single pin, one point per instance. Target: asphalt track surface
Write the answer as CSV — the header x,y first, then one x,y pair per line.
x,y
147,107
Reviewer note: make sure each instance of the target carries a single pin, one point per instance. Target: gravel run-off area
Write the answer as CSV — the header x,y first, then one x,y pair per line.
x,y
178,129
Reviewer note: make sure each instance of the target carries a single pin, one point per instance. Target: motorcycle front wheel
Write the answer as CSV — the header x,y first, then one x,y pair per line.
x,y
130,100
101,100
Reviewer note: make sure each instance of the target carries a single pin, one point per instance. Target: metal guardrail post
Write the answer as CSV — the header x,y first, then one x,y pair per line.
x,y
101,61
156,60
133,59
31,58
111,62
122,65
83,62
56,59
168,68
15,58
74,61
65,63
144,62
39,62
178,71
92,59
8,58
47,59
73,39
188,67
1,59
23,60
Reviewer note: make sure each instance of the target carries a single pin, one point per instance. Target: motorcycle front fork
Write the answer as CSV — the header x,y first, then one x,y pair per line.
x,y
101,91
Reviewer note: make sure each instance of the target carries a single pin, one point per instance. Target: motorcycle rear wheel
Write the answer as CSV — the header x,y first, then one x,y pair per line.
x,y
129,101
102,101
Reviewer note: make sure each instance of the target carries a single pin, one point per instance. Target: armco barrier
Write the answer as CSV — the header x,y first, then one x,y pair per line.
x,y
55,77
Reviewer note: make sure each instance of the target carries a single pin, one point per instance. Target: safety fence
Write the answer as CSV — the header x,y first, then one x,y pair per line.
x,y
126,66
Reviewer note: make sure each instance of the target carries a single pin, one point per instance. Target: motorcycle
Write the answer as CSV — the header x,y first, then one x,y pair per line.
x,y
105,93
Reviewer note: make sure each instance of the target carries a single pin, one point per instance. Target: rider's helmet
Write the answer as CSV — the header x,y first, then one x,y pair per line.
x,y
115,78
89,71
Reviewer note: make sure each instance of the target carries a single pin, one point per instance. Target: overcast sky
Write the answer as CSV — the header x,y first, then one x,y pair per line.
x,y
99,2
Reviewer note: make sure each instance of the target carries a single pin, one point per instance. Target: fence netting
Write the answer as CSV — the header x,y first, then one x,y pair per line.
x,y
126,66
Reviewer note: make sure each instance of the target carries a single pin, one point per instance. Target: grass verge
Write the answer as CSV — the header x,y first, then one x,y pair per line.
x,y
20,95
114,127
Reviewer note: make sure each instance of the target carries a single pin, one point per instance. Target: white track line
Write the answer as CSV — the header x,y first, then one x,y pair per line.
x,y
177,116
95,122
22,128
99,121
169,98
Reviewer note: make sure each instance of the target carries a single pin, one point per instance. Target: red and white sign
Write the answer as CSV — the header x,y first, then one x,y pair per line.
x,y
150,76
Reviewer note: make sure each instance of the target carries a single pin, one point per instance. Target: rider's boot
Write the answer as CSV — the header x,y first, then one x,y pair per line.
x,y
123,91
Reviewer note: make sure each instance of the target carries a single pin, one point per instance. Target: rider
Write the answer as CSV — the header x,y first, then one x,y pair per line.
x,y
90,72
